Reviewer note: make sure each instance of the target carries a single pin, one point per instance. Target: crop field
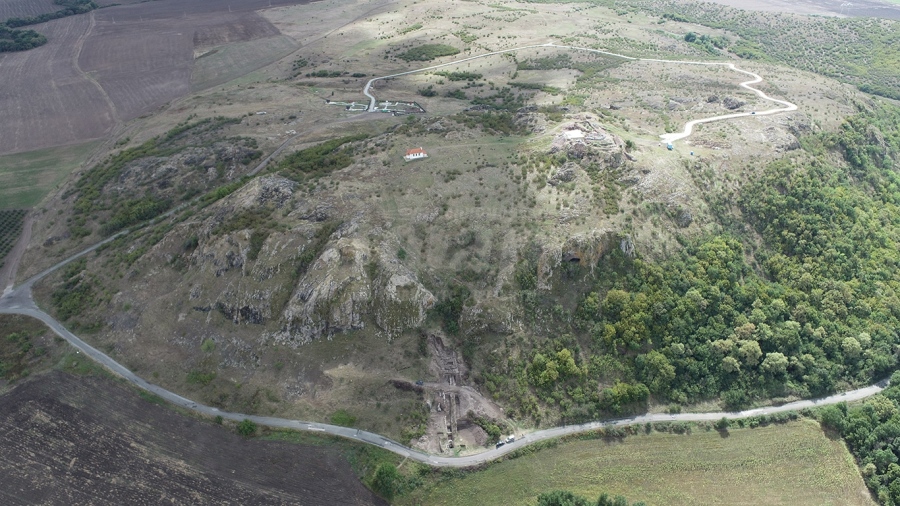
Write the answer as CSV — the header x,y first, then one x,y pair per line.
x,y
115,64
25,8
46,100
239,58
10,226
791,464
139,65
26,177
140,451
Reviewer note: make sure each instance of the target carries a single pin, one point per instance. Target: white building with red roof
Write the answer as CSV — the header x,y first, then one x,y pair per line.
x,y
415,154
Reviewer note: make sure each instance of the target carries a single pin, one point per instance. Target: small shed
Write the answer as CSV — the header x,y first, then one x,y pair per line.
x,y
415,154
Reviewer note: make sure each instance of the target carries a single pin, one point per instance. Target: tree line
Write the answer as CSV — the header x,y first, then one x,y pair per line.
x,y
12,39
872,431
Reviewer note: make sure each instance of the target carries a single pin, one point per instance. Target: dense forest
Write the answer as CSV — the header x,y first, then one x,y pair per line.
x,y
19,40
872,431
803,304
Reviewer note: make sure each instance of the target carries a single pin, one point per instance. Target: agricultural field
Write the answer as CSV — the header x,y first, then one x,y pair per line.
x,y
25,8
52,400
115,64
140,449
236,59
27,177
54,103
10,228
792,464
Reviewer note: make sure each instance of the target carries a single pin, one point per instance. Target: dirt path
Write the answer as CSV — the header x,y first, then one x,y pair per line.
x,y
669,138
8,271
79,45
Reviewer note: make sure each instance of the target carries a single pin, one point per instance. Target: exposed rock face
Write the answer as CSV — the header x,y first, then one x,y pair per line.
x,y
339,290
333,295
528,117
400,301
596,145
732,103
584,249
564,174
496,316
344,284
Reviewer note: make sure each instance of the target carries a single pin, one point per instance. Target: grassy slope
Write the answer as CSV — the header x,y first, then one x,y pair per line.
x,y
26,177
747,467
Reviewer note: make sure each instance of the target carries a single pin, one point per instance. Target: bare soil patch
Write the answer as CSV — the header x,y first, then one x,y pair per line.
x,y
86,440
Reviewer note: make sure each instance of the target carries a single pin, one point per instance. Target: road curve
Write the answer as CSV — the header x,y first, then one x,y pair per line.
x,y
20,301
668,138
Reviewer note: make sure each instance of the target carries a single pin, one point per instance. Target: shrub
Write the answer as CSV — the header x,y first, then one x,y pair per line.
x,y
246,428
427,52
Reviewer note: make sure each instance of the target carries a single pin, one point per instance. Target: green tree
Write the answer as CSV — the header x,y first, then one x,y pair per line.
x,y
655,371
386,481
246,428
775,364
561,498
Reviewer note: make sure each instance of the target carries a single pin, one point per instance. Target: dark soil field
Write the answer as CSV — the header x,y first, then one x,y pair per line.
x,y
25,8
45,99
115,64
70,439
140,65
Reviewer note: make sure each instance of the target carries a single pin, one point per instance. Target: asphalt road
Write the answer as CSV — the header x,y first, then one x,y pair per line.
x,y
668,138
20,301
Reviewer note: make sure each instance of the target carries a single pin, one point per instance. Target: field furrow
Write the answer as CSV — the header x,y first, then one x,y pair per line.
x,y
46,101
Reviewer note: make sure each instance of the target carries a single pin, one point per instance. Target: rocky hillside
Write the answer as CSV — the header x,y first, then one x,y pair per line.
x,y
574,272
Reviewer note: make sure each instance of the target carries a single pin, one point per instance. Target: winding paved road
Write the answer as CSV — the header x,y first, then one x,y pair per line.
x,y
20,301
668,138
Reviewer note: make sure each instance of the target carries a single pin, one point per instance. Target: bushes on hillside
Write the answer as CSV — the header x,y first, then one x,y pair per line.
x,y
427,52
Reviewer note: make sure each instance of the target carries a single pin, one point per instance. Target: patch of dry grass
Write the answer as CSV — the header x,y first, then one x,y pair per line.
x,y
793,464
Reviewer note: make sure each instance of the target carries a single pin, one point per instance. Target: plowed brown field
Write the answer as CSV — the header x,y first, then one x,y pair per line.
x,y
68,439
118,63
45,100
25,8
